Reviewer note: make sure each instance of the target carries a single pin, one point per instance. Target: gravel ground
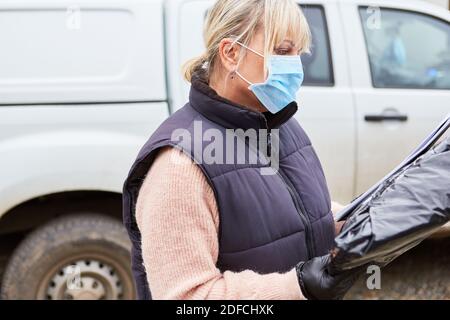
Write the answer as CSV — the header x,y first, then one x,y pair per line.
x,y
421,273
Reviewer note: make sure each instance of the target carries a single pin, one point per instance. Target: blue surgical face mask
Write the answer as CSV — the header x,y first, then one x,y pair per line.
x,y
284,80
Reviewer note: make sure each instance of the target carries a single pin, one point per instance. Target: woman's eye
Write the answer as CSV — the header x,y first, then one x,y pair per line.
x,y
282,51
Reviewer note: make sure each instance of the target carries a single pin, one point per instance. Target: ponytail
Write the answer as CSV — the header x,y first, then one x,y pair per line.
x,y
193,66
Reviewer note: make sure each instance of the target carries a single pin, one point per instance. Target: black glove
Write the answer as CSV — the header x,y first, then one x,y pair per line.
x,y
317,283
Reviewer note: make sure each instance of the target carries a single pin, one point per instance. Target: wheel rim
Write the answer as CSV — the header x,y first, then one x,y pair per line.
x,y
84,279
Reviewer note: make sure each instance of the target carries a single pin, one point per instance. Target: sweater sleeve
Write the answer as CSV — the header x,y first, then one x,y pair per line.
x,y
178,218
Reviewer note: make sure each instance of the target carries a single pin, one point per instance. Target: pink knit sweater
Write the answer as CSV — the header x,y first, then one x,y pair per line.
x,y
177,216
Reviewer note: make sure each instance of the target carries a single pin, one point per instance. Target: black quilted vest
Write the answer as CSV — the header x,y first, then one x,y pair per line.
x,y
268,223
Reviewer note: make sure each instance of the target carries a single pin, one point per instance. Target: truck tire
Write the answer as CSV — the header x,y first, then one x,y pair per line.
x,y
82,256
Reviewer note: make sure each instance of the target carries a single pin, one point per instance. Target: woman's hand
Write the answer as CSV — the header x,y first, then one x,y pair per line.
x,y
335,208
338,226
317,283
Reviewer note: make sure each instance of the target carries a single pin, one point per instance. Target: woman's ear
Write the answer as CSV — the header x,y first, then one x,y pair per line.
x,y
229,54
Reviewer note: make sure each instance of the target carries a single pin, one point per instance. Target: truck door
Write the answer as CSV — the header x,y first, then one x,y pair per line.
x,y
400,62
326,109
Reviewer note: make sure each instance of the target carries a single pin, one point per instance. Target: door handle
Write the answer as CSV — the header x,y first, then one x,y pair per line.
x,y
385,117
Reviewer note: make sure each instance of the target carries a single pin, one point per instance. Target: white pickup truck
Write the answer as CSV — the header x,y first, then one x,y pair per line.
x,y
82,88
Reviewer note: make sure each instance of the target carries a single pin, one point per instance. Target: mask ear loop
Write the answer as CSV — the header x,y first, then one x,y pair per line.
x,y
248,48
242,77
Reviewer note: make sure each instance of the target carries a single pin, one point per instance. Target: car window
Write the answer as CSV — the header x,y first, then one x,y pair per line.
x,y
407,49
317,65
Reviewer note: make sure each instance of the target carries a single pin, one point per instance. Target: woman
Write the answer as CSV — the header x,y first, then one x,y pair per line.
x,y
211,230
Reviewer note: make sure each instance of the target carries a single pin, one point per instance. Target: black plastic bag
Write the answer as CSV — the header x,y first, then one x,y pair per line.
x,y
404,210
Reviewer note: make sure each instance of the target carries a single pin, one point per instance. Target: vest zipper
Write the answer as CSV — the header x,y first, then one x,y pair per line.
x,y
298,204
301,211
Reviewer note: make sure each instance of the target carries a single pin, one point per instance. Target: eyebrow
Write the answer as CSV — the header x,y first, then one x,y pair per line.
x,y
288,41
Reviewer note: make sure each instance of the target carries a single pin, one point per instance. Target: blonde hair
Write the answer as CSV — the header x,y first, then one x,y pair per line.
x,y
241,19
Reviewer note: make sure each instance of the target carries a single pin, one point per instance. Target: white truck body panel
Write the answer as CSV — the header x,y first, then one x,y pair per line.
x,y
97,51
77,105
